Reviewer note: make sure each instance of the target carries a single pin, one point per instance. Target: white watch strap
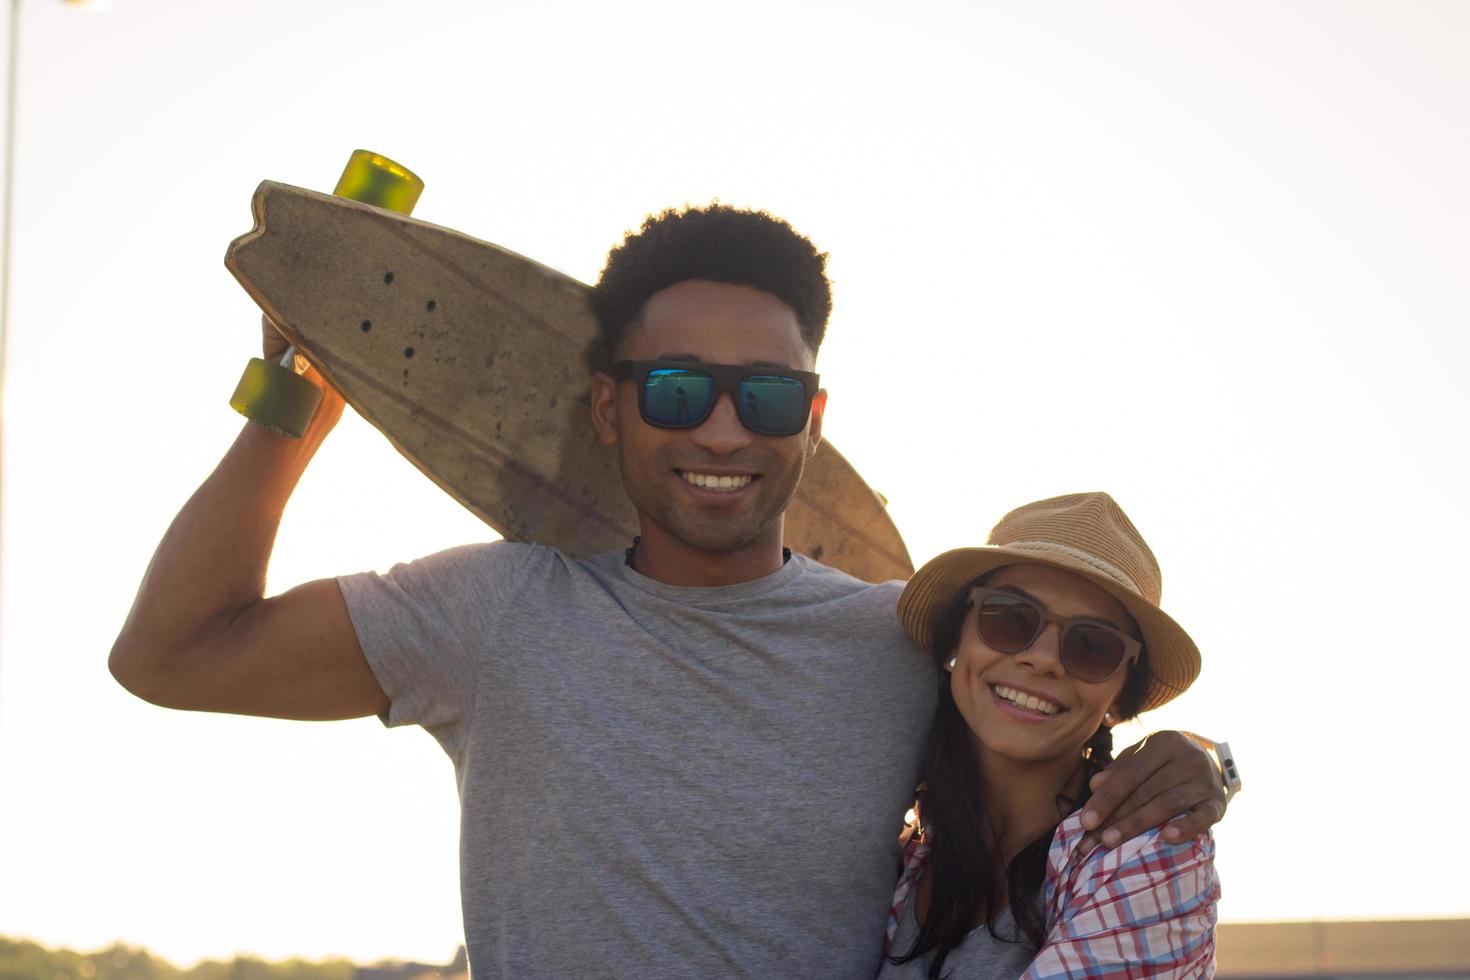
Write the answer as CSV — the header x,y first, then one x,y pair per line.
x,y
1228,769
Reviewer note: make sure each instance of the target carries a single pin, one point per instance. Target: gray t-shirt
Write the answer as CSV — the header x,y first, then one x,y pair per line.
x,y
658,781
984,955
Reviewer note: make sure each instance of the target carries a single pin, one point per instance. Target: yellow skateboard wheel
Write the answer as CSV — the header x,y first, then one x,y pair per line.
x,y
374,179
274,395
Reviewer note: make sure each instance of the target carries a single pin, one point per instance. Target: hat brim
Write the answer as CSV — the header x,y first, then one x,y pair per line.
x,y
1173,658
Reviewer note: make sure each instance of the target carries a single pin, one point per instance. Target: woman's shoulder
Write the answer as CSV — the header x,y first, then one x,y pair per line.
x,y
1134,867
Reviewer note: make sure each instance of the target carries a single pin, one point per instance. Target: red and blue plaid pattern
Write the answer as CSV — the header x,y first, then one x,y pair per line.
x,y
1143,909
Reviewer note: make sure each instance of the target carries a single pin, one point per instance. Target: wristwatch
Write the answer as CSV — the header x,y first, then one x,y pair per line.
x,y
1224,759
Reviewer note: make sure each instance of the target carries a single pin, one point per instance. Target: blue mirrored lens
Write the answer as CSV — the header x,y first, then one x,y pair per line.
x,y
773,404
677,398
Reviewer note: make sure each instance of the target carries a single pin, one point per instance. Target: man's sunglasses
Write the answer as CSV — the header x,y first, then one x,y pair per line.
x,y
681,394
1090,651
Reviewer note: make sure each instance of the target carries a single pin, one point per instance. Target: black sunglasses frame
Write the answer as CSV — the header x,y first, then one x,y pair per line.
x,y
1131,646
727,378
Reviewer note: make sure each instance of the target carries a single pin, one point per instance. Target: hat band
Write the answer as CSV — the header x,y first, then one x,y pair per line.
x,y
1091,561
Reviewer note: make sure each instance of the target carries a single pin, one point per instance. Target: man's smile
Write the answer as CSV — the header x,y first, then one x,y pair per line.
x,y
716,481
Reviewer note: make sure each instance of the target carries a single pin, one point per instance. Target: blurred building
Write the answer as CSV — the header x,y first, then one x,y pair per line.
x,y
1424,949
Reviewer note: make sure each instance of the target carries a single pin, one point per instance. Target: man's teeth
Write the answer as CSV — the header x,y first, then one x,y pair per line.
x,y
711,482
1025,700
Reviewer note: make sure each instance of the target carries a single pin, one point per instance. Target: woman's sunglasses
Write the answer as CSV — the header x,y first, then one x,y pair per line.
x,y
681,394
1009,623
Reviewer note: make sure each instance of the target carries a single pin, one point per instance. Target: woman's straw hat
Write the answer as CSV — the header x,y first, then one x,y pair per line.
x,y
1085,533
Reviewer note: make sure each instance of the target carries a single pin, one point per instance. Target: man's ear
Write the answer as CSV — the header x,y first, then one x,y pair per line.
x,y
604,408
814,427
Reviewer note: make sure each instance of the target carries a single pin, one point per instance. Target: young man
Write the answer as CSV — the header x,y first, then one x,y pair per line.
x,y
716,739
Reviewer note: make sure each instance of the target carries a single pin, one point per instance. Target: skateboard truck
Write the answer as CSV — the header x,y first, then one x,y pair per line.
x,y
276,395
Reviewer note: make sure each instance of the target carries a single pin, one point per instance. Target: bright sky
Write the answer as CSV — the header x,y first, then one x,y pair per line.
x,y
1208,257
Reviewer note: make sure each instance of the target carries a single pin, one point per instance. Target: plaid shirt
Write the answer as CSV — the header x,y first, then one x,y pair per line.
x,y
1143,909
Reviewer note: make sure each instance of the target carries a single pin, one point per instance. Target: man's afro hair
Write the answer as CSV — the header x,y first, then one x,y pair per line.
x,y
717,243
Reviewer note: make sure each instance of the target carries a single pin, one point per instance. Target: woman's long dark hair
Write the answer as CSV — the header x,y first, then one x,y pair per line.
x,y
964,857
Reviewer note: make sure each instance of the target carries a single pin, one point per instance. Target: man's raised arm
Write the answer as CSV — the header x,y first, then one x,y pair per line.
x,y
202,636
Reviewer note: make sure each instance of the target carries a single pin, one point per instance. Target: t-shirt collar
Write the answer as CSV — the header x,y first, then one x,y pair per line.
x,y
707,594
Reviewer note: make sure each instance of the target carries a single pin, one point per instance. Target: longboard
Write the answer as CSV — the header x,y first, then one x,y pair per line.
x,y
435,338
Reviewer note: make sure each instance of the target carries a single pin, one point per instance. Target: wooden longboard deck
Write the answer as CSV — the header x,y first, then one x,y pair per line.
x,y
470,359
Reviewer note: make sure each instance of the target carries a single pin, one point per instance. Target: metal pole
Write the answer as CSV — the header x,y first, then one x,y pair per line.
x,y
11,78
6,237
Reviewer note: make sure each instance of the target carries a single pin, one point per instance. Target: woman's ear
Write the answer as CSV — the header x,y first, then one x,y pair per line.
x,y
604,408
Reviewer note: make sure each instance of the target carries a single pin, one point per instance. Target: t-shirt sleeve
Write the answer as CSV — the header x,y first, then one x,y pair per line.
x,y
425,626
1143,909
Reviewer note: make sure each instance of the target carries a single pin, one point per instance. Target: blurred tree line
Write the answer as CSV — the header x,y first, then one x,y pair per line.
x,y
20,960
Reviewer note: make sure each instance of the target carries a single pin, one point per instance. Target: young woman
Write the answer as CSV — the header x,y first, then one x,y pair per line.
x,y
1047,637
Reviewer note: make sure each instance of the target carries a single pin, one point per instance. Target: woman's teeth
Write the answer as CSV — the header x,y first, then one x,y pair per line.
x,y
708,481
1028,701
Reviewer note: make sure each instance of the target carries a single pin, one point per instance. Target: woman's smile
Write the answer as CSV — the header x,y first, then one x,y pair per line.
x,y
1024,701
